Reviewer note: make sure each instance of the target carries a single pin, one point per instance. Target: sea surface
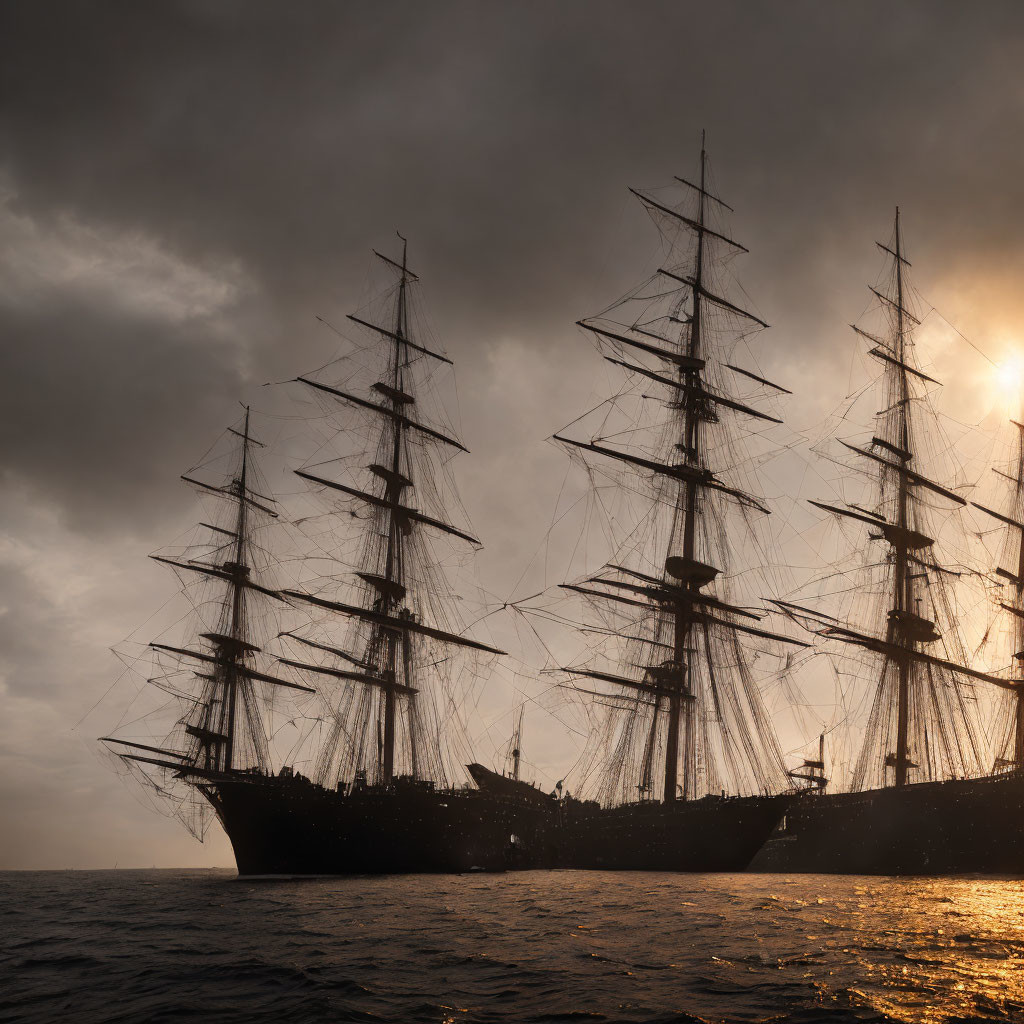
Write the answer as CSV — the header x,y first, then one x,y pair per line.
x,y
546,946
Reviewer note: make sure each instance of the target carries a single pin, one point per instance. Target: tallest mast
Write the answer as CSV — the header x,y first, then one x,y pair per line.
x,y
691,380
393,593
902,602
691,717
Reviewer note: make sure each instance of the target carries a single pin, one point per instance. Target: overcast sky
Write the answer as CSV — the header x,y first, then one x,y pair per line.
x,y
183,186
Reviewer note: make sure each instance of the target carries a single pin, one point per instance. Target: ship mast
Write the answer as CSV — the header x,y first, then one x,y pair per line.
x,y
227,670
903,595
690,377
1014,523
677,596
397,641
239,571
917,693
387,663
517,740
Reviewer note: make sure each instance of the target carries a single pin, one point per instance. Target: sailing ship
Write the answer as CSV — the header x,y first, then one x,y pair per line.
x,y
371,646
922,799
690,776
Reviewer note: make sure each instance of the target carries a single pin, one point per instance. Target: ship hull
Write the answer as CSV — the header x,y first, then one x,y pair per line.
x,y
291,826
711,834
956,827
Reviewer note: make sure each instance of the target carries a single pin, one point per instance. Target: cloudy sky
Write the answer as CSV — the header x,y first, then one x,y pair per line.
x,y
184,186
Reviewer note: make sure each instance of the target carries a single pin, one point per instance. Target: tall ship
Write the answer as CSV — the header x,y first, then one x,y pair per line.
x,y
923,798
348,644
683,771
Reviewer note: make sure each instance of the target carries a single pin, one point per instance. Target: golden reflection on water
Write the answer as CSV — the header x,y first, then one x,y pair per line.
x,y
937,951
632,946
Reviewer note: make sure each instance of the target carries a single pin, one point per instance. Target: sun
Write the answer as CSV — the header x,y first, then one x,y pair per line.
x,y
1009,380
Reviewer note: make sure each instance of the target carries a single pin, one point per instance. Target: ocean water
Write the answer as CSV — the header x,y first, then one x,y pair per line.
x,y
547,946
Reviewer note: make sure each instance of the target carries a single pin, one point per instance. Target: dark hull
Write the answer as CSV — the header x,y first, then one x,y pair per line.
x,y
287,825
290,826
960,826
712,834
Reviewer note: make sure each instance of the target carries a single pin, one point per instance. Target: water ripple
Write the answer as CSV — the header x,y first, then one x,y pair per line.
x,y
134,947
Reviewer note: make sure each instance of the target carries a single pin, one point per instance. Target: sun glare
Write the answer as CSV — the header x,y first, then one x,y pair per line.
x,y
1009,381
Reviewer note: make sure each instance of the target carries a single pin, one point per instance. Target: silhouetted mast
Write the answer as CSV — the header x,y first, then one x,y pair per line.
x,y
903,596
517,740
920,699
241,569
228,670
690,447
678,339
388,662
392,590
1014,522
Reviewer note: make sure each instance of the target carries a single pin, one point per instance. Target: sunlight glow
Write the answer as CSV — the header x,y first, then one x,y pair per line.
x,y
1009,380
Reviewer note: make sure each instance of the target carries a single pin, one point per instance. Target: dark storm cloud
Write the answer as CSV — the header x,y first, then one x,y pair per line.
x,y
499,136
183,185
96,411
